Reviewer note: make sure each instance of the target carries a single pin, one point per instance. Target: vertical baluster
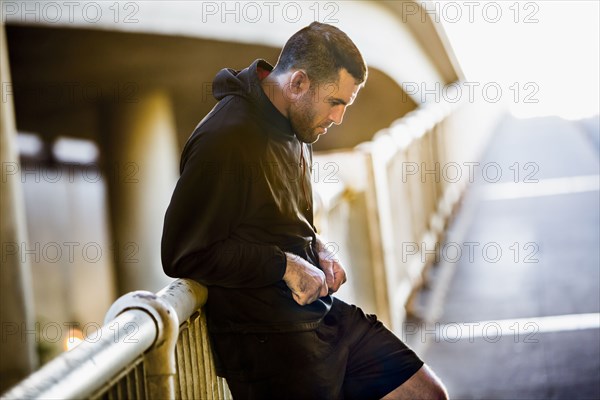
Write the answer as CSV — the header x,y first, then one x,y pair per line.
x,y
178,378
203,385
194,356
207,357
119,391
187,363
140,383
130,384
182,381
109,394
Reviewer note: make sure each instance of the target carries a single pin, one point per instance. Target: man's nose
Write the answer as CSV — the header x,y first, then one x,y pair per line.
x,y
337,114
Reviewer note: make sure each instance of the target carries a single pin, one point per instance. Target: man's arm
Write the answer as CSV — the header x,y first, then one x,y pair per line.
x,y
207,206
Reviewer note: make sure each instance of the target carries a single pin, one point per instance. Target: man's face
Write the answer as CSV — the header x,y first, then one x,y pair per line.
x,y
321,106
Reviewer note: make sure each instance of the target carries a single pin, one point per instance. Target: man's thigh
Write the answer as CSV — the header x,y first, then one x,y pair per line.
x,y
378,361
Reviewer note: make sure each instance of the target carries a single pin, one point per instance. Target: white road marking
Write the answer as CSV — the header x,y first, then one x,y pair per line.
x,y
544,187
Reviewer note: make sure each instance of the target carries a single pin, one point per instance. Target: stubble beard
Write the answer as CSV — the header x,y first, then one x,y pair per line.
x,y
301,118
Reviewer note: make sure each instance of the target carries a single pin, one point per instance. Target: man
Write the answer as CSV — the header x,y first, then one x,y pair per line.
x,y
240,221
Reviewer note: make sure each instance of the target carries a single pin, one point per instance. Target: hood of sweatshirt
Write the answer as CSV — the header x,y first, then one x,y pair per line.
x,y
246,84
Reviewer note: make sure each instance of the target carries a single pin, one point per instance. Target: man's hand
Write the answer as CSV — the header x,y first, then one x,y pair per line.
x,y
335,275
306,281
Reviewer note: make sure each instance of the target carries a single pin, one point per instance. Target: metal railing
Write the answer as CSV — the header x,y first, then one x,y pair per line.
x,y
152,346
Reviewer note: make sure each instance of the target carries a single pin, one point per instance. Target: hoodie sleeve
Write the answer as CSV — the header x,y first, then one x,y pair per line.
x,y
207,205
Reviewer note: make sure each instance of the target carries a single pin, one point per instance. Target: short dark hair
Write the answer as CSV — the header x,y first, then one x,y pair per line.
x,y
322,50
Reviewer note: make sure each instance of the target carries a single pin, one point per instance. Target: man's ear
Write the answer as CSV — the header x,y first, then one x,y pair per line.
x,y
299,83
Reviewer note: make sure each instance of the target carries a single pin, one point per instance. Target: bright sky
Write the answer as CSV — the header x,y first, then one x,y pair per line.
x,y
539,50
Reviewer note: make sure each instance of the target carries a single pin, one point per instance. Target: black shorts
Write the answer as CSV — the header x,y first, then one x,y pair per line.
x,y
349,356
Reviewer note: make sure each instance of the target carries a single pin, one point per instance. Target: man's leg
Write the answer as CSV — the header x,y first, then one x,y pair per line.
x,y
380,365
422,385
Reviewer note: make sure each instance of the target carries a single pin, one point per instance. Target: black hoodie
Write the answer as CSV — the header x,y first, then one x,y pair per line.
x,y
244,198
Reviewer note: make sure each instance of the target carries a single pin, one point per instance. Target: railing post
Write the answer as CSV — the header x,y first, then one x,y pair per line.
x,y
160,365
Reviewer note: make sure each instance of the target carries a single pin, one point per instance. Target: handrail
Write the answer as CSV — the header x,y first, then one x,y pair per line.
x,y
78,373
137,323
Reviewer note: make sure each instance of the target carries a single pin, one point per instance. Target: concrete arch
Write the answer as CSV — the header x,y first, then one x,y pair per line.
x,y
395,51
65,91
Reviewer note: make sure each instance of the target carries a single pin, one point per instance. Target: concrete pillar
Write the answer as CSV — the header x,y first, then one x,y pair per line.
x,y
140,155
17,345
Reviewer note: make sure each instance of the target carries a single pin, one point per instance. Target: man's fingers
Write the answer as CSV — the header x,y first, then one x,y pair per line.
x,y
302,300
339,278
297,298
324,290
329,276
327,266
324,287
335,286
309,297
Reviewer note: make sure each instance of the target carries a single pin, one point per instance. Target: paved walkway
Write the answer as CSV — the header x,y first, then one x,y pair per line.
x,y
514,307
